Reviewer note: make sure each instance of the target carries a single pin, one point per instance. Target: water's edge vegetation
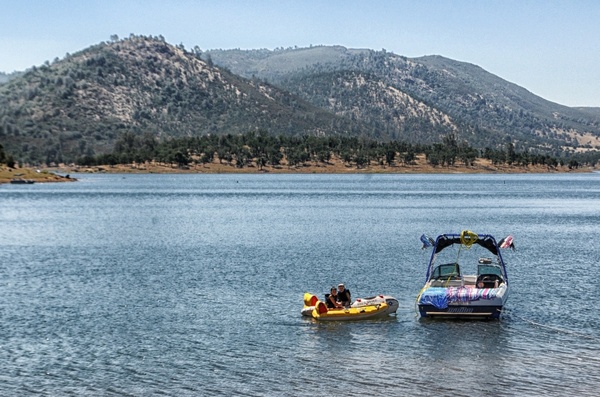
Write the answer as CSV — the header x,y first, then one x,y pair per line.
x,y
259,150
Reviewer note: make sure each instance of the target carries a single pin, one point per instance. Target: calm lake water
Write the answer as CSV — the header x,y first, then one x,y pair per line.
x,y
191,285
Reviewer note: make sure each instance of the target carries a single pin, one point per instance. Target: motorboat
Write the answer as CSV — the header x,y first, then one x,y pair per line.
x,y
378,306
449,291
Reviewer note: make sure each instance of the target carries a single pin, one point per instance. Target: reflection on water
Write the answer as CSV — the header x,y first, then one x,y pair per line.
x,y
192,285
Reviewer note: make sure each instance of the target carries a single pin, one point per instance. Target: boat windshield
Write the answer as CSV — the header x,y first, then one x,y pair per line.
x,y
448,270
489,269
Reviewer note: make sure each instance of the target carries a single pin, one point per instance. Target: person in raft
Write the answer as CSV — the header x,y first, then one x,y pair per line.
x,y
332,300
343,295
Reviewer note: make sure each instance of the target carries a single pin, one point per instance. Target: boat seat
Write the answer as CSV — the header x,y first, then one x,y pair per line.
x,y
488,281
310,299
321,308
446,283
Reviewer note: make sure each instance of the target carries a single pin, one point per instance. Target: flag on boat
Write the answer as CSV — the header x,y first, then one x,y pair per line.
x,y
427,241
507,242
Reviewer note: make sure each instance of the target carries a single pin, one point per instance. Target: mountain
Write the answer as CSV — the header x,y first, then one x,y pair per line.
x,y
4,77
593,113
480,107
80,105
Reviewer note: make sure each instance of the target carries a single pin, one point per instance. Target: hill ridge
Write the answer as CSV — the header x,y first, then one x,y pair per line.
x,y
80,105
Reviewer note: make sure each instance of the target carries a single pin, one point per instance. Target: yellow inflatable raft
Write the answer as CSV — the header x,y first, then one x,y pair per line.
x,y
362,309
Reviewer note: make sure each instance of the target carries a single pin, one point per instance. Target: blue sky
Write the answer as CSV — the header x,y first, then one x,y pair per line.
x,y
551,48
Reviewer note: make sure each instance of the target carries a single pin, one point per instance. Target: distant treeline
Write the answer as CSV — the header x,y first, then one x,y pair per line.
x,y
261,149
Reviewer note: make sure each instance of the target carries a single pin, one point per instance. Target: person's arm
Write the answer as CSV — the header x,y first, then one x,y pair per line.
x,y
334,302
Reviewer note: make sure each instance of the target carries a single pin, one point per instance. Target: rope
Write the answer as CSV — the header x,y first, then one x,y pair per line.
x,y
557,329
418,299
468,238
421,293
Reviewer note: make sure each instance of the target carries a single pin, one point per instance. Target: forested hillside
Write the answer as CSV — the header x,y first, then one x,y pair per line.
x,y
143,87
481,107
80,105
4,77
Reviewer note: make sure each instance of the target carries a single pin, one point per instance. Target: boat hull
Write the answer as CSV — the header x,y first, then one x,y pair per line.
x,y
463,302
354,314
461,311
362,309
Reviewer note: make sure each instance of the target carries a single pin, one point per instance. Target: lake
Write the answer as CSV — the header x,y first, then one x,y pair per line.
x,y
192,285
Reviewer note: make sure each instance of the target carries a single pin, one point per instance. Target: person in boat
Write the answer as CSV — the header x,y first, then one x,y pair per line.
x,y
332,299
344,296
485,283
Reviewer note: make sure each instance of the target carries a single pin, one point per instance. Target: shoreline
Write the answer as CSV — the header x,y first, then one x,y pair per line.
x,y
334,166
420,166
28,175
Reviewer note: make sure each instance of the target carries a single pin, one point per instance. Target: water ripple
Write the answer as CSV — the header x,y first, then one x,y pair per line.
x,y
192,285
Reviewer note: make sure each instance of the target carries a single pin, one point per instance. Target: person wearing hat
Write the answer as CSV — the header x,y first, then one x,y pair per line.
x,y
343,295
333,300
